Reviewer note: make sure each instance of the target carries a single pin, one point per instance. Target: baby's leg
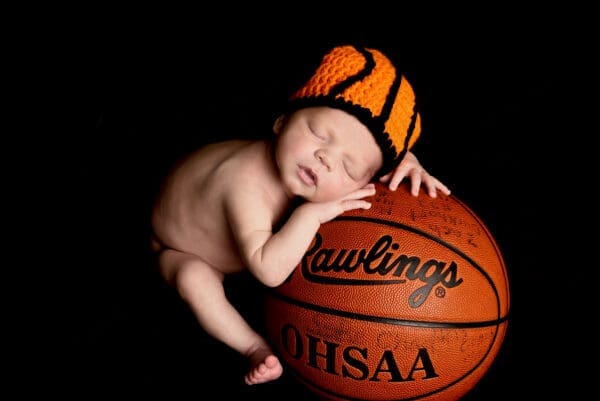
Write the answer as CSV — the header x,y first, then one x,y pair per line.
x,y
201,286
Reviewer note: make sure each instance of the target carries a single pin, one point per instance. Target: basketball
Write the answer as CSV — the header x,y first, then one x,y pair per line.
x,y
407,300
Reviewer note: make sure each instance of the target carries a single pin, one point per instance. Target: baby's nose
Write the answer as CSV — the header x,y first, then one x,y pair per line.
x,y
322,157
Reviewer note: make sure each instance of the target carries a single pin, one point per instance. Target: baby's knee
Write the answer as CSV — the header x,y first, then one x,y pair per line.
x,y
193,274
179,268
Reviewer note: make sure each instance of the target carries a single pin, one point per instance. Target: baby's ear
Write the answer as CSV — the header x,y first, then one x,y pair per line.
x,y
278,124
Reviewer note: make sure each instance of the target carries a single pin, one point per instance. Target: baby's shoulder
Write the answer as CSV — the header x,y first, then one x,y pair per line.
x,y
211,158
231,163
220,150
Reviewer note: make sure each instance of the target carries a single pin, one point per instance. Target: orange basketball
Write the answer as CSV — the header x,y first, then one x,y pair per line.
x,y
405,301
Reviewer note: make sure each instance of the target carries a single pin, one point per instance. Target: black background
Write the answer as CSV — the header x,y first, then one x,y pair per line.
x,y
121,98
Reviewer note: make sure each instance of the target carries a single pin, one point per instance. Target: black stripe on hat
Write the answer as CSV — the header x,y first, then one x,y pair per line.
x,y
391,97
411,126
369,66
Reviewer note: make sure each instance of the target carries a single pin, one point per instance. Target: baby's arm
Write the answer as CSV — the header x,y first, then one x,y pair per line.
x,y
410,166
272,256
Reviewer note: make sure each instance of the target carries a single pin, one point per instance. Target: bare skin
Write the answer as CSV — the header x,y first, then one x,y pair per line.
x,y
220,211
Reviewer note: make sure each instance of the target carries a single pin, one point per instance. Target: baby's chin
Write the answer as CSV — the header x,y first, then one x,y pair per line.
x,y
315,193
321,197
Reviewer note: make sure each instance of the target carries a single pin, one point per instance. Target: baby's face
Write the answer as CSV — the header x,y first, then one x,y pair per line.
x,y
325,153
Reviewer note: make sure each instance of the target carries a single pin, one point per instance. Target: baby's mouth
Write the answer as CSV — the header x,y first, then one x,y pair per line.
x,y
307,176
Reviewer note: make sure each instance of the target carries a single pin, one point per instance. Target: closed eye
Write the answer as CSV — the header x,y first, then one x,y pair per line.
x,y
319,134
350,171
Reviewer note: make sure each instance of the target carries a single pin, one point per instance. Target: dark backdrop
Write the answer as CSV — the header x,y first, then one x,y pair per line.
x,y
129,97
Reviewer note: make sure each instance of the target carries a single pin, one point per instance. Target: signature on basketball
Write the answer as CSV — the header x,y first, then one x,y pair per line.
x,y
383,260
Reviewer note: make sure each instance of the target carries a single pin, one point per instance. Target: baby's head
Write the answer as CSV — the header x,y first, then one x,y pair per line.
x,y
366,84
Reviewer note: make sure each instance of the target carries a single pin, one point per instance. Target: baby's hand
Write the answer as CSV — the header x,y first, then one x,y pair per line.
x,y
326,211
410,166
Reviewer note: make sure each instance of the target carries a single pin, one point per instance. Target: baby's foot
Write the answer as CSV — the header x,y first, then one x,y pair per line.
x,y
264,367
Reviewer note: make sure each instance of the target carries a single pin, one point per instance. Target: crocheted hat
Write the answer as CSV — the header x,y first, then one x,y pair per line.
x,y
365,83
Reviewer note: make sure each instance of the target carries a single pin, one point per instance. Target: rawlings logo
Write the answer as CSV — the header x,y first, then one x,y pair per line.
x,y
383,260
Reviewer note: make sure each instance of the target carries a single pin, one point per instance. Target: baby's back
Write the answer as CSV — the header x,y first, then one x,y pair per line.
x,y
188,215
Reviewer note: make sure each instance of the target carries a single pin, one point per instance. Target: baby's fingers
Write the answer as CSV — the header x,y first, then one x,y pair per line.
x,y
367,190
397,179
433,185
351,204
415,184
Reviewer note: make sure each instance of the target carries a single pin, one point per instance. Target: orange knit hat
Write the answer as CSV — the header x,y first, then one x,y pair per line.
x,y
365,83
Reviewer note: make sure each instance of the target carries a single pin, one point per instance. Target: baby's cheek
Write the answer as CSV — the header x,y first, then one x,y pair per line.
x,y
337,188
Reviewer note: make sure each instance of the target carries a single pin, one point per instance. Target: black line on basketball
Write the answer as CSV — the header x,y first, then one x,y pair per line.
x,y
384,320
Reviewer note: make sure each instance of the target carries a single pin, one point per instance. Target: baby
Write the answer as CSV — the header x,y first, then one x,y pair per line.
x,y
234,205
